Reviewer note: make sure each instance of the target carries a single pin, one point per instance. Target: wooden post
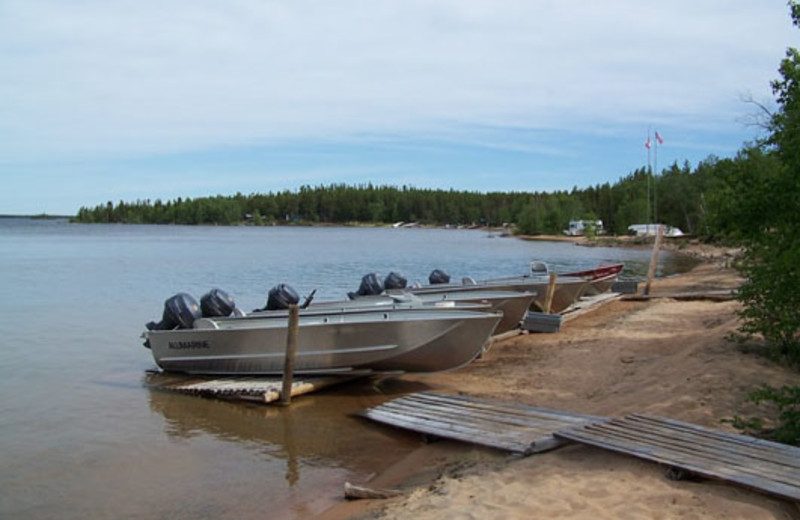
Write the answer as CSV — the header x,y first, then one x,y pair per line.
x,y
291,350
654,260
551,290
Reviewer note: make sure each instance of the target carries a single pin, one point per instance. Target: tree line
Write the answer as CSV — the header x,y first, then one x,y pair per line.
x,y
679,198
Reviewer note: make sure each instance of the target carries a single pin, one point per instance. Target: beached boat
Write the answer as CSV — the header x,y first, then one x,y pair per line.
x,y
568,290
411,340
513,304
600,278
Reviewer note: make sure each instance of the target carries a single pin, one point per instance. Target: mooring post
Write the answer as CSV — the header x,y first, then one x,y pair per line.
x,y
654,260
291,350
551,290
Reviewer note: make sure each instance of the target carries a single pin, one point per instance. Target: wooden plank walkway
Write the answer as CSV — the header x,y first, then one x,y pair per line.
x,y
750,462
513,427
261,389
713,295
588,304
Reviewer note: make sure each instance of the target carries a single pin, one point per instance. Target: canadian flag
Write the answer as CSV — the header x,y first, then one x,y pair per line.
x,y
647,143
658,138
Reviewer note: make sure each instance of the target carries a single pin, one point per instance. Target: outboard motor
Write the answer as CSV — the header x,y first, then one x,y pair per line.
x,y
395,281
180,311
280,297
216,303
539,268
438,276
370,285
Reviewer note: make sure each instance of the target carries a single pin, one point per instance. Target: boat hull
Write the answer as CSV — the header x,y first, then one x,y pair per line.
x,y
513,304
600,285
567,290
397,341
601,278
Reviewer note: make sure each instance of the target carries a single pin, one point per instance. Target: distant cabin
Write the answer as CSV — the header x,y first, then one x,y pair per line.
x,y
643,230
579,227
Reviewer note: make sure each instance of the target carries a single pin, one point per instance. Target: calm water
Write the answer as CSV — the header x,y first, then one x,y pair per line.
x,y
82,438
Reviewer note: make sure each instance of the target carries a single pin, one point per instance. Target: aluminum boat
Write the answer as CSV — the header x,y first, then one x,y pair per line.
x,y
513,304
410,340
567,290
600,278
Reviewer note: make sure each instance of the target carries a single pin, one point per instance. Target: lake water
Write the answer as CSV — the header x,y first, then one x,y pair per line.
x,y
81,437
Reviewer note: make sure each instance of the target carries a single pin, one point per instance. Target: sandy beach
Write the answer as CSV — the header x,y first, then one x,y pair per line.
x,y
663,356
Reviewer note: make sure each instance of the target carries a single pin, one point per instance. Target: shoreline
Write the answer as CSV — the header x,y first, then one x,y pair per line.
x,y
663,357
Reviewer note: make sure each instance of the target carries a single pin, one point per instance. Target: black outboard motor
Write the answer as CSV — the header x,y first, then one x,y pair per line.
x,y
216,303
370,285
280,297
395,281
438,276
180,311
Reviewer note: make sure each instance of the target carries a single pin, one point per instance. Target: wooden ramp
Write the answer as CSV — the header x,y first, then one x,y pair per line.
x,y
720,295
512,427
588,304
751,462
261,389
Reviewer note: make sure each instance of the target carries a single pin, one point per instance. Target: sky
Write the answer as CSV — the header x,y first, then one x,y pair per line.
x,y
131,100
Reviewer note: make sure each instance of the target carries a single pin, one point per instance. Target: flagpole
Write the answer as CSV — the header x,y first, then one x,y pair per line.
x,y
655,192
649,171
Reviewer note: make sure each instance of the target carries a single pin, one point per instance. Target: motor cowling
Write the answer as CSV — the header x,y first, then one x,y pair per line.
x,y
438,276
180,311
370,285
280,297
217,303
395,281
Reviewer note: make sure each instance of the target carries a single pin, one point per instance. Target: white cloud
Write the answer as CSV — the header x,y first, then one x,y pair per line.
x,y
108,77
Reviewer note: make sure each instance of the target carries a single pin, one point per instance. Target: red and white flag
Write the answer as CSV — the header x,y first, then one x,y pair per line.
x,y
647,143
658,138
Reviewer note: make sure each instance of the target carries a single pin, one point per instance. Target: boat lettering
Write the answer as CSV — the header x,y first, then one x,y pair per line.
x,y
189,344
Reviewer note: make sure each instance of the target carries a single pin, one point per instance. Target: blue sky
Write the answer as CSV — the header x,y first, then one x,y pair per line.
x,y
123,100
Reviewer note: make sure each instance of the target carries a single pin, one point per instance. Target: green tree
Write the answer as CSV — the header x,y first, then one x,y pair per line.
x,y
759,204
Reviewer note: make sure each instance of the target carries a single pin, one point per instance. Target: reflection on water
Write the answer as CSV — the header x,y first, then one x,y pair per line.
x,y
316,430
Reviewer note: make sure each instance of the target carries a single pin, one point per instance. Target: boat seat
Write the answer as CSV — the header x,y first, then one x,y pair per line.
x,y
205,324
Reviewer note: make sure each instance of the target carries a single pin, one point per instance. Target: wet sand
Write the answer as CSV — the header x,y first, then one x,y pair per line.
x,y
662,356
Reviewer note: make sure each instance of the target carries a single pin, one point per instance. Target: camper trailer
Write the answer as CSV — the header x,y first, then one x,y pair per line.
x,y
643,230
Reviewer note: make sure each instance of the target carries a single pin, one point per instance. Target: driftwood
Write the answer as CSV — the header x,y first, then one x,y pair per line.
x,y
353,492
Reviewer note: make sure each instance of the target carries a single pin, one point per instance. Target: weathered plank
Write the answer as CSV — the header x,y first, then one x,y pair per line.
x,y
508,426
500,412
588,304
754,463
713,295
262,389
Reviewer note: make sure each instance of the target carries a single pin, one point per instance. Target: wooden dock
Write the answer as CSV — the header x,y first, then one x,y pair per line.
x,y
260,389
512,427
588,304
713,295
754,463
